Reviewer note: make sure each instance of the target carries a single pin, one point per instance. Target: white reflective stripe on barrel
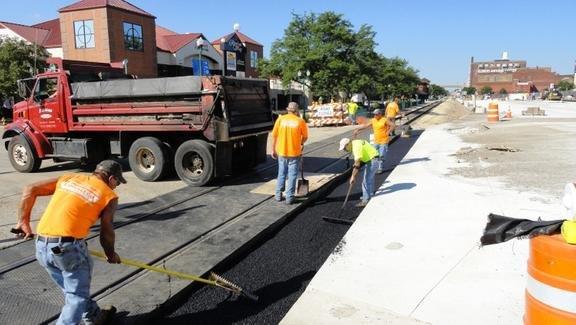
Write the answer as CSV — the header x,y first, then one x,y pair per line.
x,y
557,298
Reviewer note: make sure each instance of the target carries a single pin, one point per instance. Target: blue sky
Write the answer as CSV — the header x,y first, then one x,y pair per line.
x,y
436,37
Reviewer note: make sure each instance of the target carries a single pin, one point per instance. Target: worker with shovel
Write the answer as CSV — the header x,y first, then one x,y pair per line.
x,y
77,202
364,154
289,134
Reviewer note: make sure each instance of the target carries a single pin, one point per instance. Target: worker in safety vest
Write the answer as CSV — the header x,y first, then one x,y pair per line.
x,y
381,127
364,154
77,202
289,134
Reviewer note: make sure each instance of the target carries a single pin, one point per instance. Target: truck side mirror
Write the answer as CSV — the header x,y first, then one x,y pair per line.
x,y
22,89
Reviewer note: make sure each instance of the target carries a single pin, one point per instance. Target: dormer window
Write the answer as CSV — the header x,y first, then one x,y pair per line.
x,y
133,37
84,34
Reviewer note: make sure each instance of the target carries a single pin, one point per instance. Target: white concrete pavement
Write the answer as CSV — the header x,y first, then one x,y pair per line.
x,y
413,254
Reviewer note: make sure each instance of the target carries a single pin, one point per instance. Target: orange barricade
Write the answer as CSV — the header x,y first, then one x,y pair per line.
x,y
551,286
492,113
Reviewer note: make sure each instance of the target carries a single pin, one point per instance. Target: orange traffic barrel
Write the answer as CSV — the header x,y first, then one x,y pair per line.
x,y
551,285
492,112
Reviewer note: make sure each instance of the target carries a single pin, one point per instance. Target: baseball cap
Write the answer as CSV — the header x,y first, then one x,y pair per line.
x,y
292,107
113,168
343,143
378,112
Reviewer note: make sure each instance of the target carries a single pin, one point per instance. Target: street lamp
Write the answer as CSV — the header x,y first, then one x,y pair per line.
x,y
223,49
306,85
200,45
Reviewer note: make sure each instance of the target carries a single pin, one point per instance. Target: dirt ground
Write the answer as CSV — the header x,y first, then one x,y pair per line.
x,y
525,154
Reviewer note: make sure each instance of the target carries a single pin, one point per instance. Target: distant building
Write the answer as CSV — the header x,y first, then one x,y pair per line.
x,y
242,53
514,76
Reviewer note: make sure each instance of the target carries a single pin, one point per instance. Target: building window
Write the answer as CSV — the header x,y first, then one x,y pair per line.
x,y
84,34
133,37
253,59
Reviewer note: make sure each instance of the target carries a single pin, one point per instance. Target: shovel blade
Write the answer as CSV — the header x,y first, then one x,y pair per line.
x,y
302,187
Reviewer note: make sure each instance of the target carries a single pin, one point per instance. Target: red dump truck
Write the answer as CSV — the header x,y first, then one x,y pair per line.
x,y
200,127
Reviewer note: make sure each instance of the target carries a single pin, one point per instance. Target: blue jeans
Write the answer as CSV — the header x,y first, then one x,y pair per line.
x,y
382,152
368,180
72,272
287,166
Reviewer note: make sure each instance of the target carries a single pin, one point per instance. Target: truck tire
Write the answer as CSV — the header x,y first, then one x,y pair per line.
x,y
22,156
194,162
149,159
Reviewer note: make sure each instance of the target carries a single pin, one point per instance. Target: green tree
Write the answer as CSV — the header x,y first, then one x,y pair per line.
x,y
503,91
564,85
486,90
469,90
339,58
17,61
438,91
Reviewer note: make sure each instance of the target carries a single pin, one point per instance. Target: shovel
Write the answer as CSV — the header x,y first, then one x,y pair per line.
x,y
338,219
302,186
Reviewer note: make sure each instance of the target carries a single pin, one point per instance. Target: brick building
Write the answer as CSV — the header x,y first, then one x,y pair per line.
x,y
514,76
117,35
247,53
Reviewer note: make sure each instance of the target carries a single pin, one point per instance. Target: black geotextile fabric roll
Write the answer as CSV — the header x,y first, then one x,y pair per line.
x,y
500,229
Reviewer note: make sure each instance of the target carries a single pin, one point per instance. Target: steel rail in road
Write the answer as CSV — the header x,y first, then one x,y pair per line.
x,y
416,113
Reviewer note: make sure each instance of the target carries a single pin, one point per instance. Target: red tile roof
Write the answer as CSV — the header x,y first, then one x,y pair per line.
x,y
169,41
31,34
92,4
242,37
54,38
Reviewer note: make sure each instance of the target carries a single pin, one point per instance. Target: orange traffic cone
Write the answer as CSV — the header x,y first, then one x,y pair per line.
x,y
508,113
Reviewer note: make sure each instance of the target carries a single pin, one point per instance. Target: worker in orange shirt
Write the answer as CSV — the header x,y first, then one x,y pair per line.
x,y
381,128
393,110
77,202
289,134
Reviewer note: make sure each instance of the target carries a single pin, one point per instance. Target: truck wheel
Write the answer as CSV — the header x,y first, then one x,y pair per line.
x,y
194,163
149,159
22,157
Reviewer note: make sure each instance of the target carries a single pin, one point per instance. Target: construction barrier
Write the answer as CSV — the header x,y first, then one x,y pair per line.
x,y
492,112
332,114
551,285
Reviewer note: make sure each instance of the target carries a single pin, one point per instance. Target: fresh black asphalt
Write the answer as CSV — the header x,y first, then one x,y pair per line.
x,y
280,267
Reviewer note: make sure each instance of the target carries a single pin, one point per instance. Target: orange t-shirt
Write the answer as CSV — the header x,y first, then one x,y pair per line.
x,y
381,130
75,206
289,130
392,110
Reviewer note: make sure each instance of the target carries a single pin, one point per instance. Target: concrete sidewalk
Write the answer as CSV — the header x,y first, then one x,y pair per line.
x,y
413,255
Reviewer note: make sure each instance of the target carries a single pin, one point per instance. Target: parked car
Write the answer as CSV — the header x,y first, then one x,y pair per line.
x,y
554,95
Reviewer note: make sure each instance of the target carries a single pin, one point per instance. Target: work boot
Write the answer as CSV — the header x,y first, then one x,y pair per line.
x,y
105,316
361,204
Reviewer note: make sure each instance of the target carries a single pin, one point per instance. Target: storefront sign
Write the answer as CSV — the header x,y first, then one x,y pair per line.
x,y
231,61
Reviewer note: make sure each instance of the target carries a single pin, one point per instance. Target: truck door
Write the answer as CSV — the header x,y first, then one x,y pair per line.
x,y
48,103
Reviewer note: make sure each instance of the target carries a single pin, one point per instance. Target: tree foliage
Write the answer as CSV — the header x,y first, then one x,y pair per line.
x,y
564,85
486,90
339,59
503,91
438,91
17,62
469,90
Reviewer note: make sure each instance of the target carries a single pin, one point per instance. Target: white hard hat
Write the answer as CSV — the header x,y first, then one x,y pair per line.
x,y
343,143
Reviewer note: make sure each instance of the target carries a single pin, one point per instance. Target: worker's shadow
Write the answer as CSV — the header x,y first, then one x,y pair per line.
x,y
233,310
394,187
